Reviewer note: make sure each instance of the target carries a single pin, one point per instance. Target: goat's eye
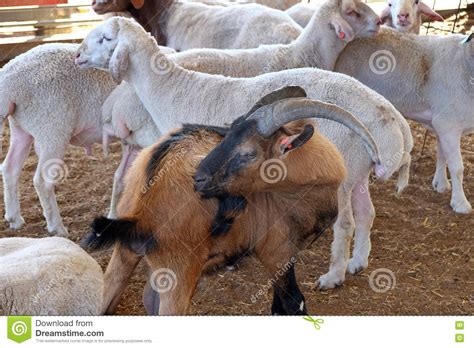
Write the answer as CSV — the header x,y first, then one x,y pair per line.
x,y
390,5
250,156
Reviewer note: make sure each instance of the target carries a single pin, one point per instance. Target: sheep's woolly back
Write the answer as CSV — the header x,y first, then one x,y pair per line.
x,y
48,276
195,25
52,94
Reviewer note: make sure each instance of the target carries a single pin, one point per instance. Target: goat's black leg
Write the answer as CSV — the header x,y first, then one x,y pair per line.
x,y
287,297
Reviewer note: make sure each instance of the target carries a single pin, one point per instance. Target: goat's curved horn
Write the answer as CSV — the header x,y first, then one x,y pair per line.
x,y
271,117
279,94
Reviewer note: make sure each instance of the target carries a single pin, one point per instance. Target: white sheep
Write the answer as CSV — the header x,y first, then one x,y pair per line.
x,y
125,117
186,25
174,95
430,80
405,15
53,103
302,13
333,25
48,276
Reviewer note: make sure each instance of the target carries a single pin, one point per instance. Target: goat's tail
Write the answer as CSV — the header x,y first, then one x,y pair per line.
x,y
105,232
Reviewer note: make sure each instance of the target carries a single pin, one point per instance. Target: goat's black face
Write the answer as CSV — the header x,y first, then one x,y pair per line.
x,y
235,166
220,169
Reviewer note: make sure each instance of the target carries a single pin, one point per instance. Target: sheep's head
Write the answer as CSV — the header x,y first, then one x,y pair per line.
x,y
404,14
107,46
355,19
253,157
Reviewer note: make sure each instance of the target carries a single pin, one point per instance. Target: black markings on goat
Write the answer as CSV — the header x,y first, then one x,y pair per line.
x,y
229,208
106,232
162,149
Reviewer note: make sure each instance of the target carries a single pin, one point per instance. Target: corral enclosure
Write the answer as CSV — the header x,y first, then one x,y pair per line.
x,y
424,247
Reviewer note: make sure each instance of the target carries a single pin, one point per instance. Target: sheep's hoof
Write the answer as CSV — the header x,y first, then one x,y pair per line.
x,y
440,185
356,266
329,281
59,231
461,207
15,223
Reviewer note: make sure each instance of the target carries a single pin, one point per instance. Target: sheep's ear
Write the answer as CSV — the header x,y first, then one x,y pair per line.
x,y
119,62
288,143
385,14
138,4
427,11
342,28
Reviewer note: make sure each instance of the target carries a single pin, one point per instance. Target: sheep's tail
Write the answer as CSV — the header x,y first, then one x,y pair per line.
x,y
385,171
105,232
404,173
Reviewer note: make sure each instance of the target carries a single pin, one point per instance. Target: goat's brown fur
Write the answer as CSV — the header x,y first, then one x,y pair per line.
x,y
180,220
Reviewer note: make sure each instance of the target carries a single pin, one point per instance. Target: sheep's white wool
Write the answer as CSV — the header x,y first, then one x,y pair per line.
x,y
430,80
194,25
174,95
48,276
56,104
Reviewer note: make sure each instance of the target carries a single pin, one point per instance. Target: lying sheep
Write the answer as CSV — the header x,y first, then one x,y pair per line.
x,y
429,79
186,25
333,25
405,15
226,227
53,103
48,276
173,95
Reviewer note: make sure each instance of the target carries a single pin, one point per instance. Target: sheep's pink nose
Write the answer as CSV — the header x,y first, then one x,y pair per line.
x,y
403,17
379,21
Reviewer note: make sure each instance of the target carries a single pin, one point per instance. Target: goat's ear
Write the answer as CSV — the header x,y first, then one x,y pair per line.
x,y
342,28
138,4
288,143
427,11
119,62
385,14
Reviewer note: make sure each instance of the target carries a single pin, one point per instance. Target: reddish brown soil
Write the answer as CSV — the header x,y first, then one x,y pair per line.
x,y
416,235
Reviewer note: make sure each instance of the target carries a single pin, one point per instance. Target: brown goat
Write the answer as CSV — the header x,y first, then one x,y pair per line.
x,y
164,219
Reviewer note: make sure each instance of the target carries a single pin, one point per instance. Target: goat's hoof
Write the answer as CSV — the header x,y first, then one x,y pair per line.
x,y
59,231
16,223
441,186
356,266
329,281
461,207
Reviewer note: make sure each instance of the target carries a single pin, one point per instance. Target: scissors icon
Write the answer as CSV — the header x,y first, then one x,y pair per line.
x,y
316,322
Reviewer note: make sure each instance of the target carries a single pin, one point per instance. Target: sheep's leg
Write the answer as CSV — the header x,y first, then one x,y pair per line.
x,y
364,215
128,155
451,147
440,180
20,145
50,171
174,280
404,172
343,232
287,297
118,272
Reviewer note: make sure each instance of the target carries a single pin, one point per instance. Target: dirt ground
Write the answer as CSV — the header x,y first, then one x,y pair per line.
x,y
416,236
